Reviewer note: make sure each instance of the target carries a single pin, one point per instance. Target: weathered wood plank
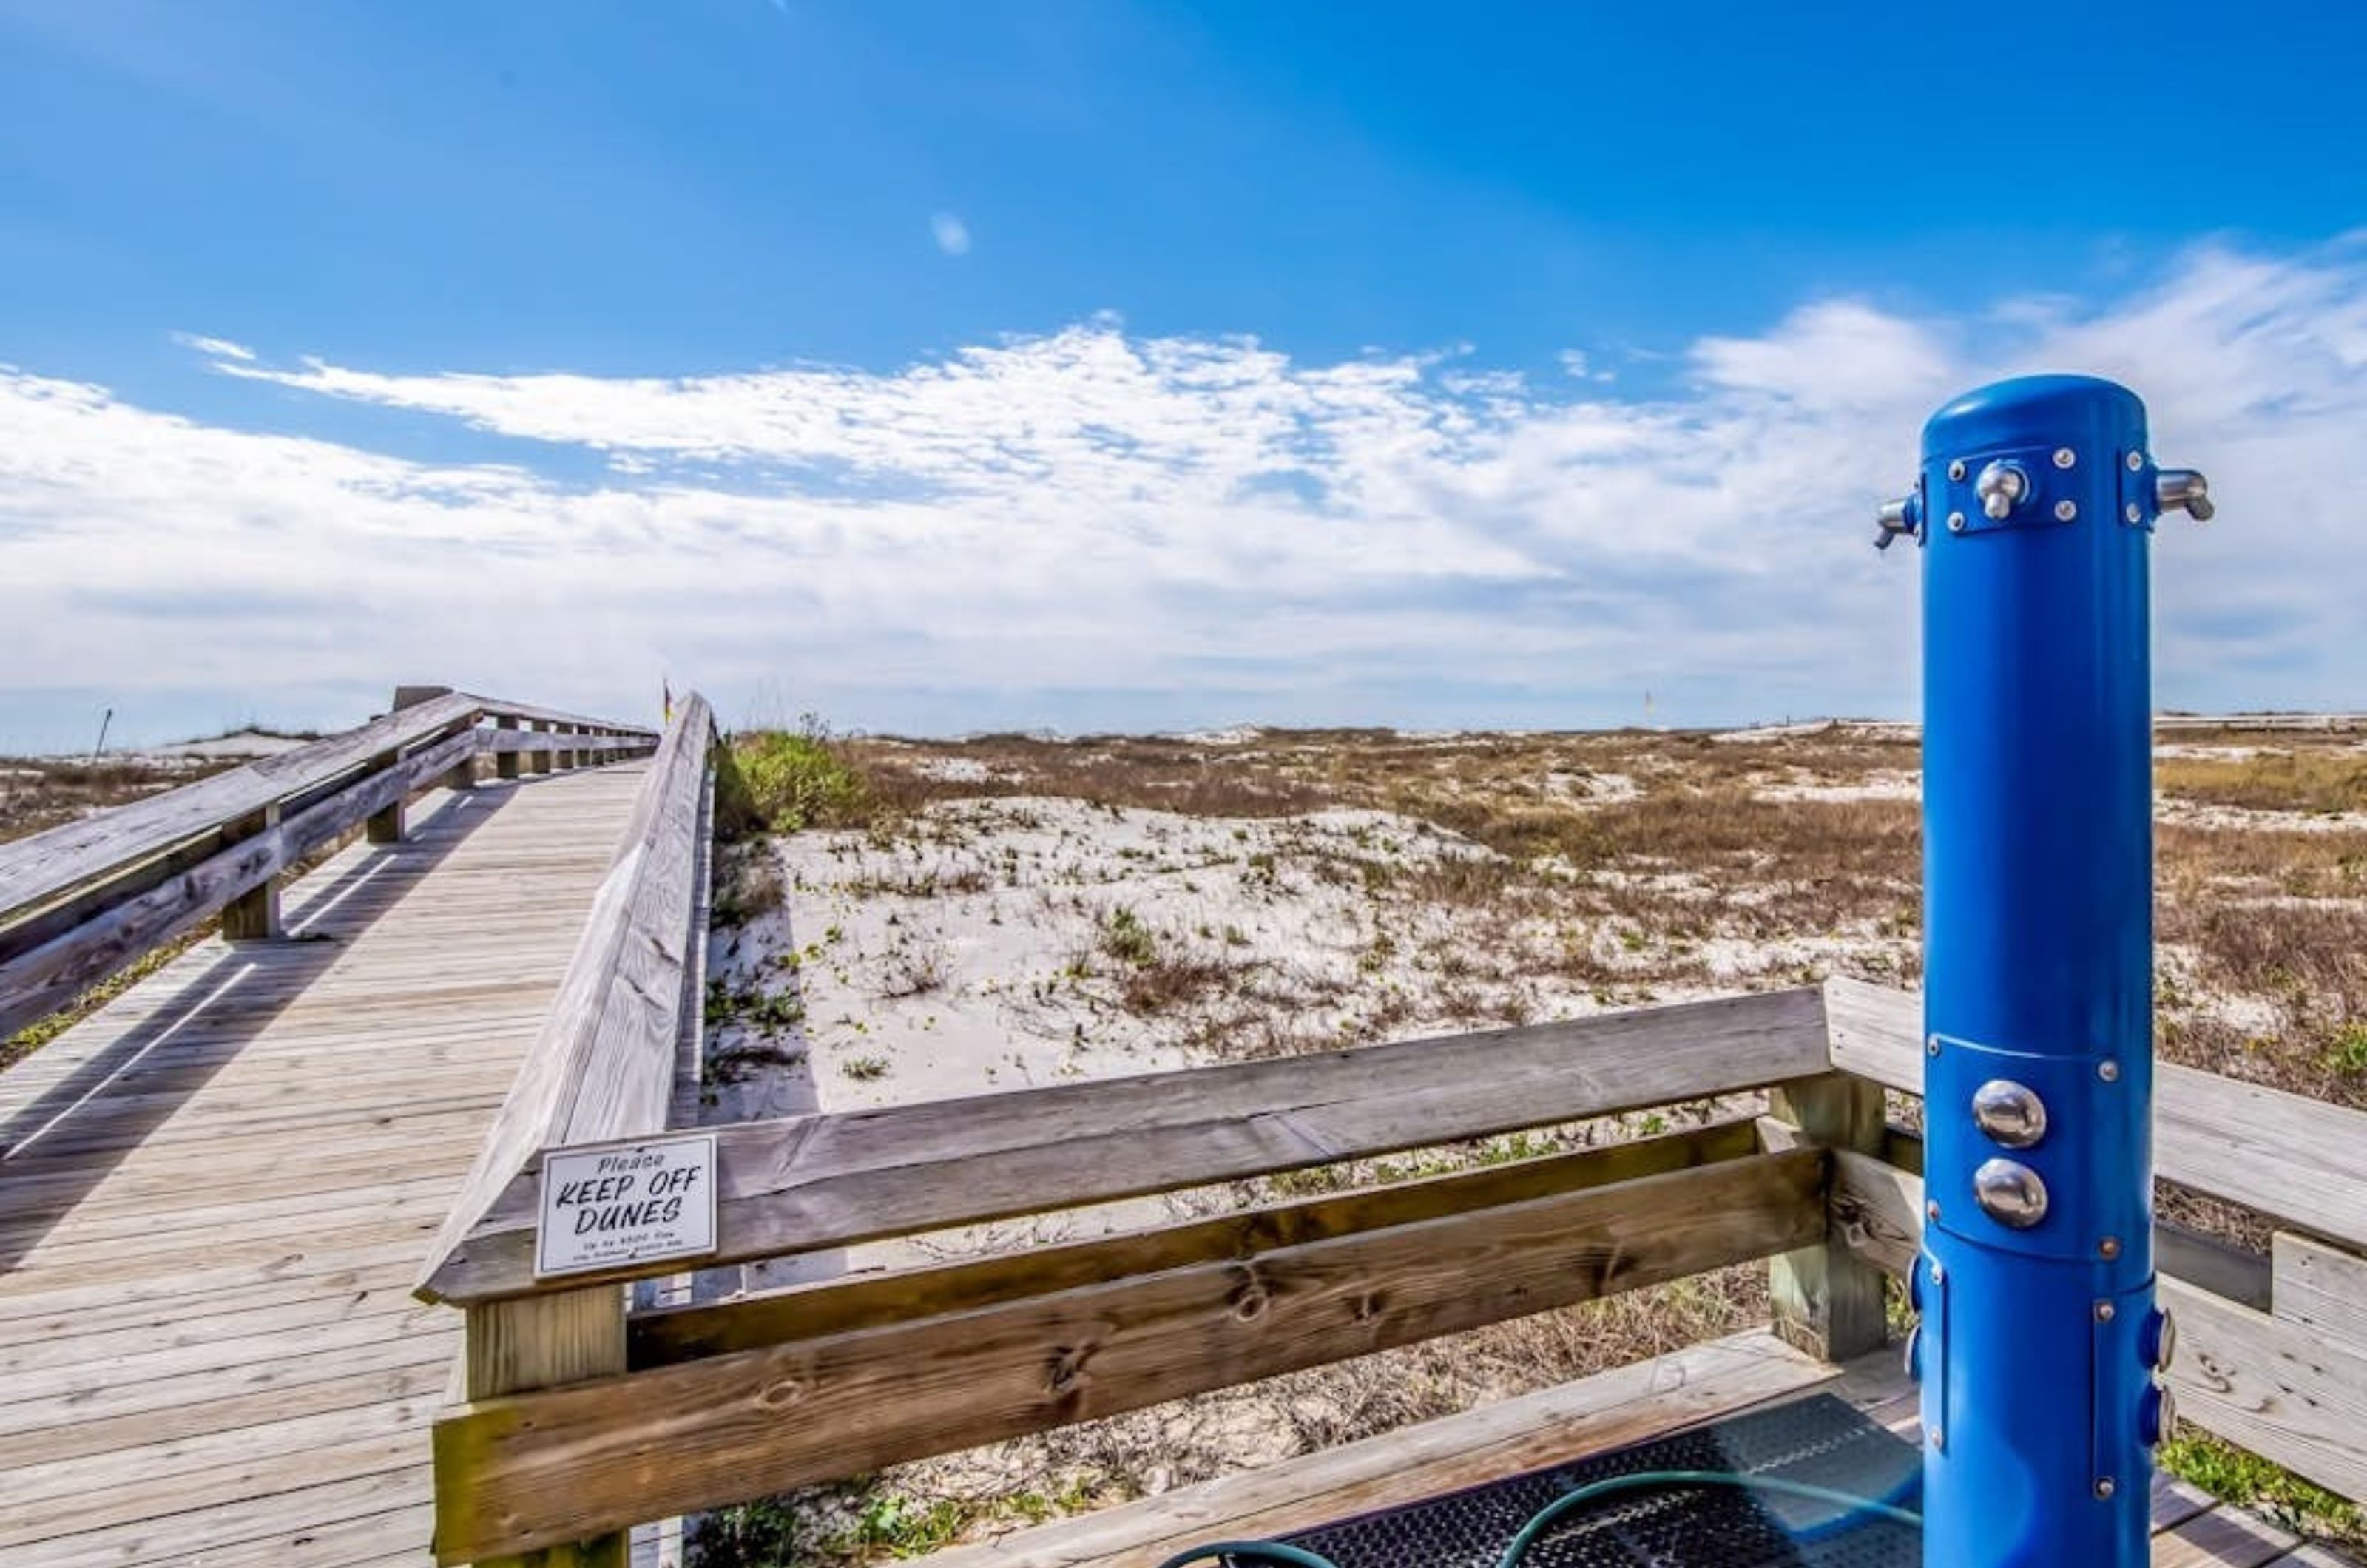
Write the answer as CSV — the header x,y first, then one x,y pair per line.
x,y
232,1412
1828,1300
2288,1393
2293,1158
2321,1287
602,1065
251,916
814,1181
2220,1538
543,1342
872,1301
536,1468
288,1533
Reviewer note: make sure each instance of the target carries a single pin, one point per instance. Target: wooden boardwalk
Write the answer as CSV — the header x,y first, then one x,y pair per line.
x,y
215,1195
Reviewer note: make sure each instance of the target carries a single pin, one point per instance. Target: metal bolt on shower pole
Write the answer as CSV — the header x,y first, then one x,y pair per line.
x,y
2038,1341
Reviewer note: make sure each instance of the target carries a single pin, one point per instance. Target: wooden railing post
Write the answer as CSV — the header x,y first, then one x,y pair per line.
x,y
548,1341
1828,1300
506,763
385,824
253,915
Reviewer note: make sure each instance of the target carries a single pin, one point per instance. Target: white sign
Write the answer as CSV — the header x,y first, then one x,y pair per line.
x,y
605,1208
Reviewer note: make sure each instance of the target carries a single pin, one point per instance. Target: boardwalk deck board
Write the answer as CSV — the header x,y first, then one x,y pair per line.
x,y
215,1193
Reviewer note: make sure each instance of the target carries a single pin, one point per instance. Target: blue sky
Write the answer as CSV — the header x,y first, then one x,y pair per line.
x,y
962,365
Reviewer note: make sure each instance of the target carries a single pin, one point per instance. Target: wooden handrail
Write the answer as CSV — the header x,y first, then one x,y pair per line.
x,y
601,1065
803,1182
1361,1274
752,1394
79,901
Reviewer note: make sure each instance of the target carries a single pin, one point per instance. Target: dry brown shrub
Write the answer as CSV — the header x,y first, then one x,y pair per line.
x,y
2307,778
36,794
1172,979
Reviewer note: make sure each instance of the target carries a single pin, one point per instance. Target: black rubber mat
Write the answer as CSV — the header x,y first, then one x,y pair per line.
x,y
1822,1441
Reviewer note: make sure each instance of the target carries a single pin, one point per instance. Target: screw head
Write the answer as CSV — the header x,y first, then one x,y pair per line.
x,y
2104,1488
2136,461
2133,513
2104,1312
2066,510
1931,1045
1956,469
1955,522
1931,1212
1938,1275
1939,1438
2109,1248
2109,1071
2065,457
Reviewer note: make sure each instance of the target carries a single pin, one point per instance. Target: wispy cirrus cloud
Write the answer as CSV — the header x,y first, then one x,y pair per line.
x,y
221,348
951,234
1092,525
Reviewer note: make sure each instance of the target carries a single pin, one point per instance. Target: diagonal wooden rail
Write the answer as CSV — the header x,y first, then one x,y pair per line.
x,y
84,899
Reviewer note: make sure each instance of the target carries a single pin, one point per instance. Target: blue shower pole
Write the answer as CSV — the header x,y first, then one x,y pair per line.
x,y
2038,1337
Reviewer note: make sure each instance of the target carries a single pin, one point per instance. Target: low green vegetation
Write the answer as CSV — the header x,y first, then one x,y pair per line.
x,y
868,1520
782,781
766,1012
1127,939
2229,1473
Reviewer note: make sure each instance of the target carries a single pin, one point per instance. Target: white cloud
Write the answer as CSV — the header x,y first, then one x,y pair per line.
x,y
1093,522
220,348
951,233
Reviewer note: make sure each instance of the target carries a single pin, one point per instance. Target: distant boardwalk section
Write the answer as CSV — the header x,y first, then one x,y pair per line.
x,y
215,1194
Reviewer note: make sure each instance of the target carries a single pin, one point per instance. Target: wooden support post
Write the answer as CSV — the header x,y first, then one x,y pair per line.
x,y
385,824
1828,1300
254,916
506,763
548,1341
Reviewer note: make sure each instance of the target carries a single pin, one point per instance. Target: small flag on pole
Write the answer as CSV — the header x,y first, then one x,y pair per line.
x,y
667,687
